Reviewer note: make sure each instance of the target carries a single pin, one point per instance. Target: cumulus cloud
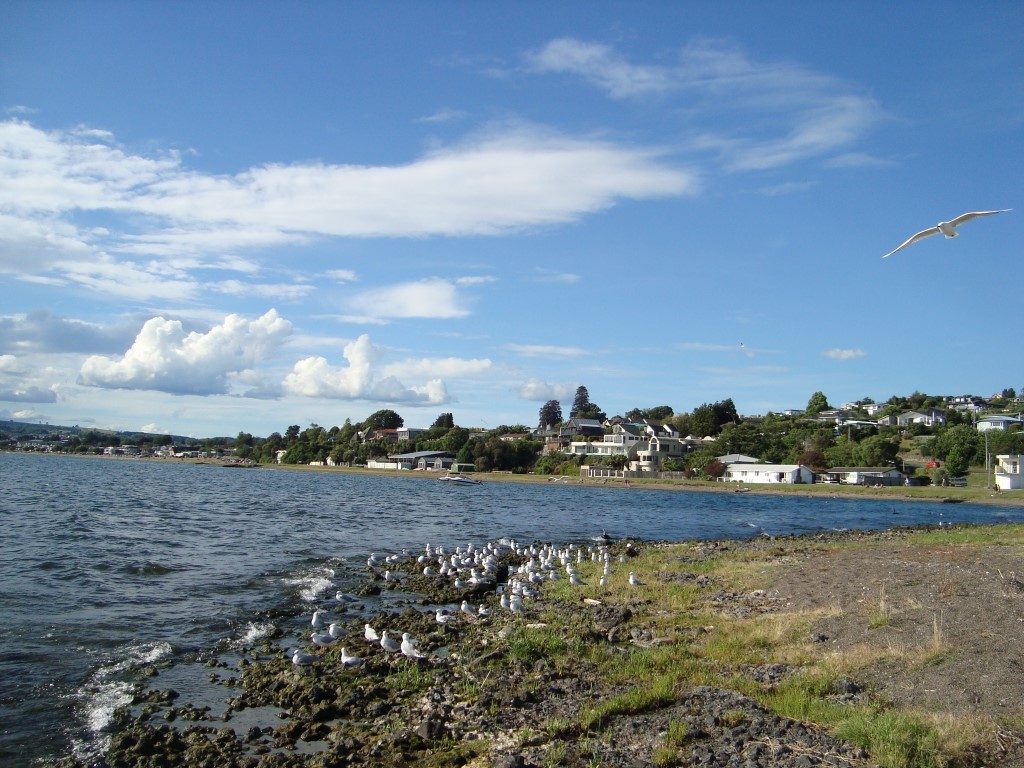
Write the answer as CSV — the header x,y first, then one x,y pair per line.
x,y
166,358
28,395
316,377
811,114
844,354
537,389
8,364
431,299
545,350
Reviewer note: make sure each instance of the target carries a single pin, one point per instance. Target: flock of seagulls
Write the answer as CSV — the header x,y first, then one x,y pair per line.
x,y
947,228
483,569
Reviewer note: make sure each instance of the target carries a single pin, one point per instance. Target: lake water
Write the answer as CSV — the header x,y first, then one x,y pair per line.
x,y
110,566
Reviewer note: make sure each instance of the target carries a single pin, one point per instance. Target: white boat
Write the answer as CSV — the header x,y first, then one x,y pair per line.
x,y
459,479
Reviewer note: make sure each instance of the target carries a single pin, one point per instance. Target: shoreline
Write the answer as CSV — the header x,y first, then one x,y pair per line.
x,y
728,650
935,494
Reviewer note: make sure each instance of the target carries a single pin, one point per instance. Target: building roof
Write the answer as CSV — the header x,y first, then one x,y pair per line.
x,y
737,458
864,470
768,467
420,455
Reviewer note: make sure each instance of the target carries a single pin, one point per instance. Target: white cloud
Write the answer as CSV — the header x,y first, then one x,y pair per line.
x,y
542,391
315,377
509,179
433,298
166,358
342,275
545,350
154,429
128,280
8,364
434,367
283,291
844,354
443,116
811,114
602,66
475,280
550,276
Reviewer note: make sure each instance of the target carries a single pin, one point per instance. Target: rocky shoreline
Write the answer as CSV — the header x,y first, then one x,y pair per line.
x,y
583,675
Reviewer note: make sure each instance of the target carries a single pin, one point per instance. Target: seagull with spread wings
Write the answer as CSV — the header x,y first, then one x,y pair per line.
x,y
947,228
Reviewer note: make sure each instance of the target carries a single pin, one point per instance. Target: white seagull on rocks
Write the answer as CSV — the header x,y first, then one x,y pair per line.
x,y
389,643
350,661
370,634
301,658
634,581
947,228
409,648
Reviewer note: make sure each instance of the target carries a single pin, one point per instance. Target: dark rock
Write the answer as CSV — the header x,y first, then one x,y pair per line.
x,y
508,761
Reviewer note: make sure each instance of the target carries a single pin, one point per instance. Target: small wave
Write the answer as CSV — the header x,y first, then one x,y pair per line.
x,y
109,689
148,569
313,584
254,631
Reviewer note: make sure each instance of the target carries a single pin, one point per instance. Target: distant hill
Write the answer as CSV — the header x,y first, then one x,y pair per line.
x,y
24,430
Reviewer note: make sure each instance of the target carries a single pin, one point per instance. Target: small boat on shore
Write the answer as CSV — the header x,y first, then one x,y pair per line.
x,y
459,479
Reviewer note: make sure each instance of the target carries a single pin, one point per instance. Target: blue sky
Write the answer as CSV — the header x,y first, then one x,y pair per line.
x,y
237,216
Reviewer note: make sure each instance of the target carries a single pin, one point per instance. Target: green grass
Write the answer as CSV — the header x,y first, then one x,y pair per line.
x,y
640,699
895,739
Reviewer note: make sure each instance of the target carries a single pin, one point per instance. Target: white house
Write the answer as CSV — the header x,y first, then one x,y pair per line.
x,y
621,442
933,417
1009,471
767,473
865,475
998,423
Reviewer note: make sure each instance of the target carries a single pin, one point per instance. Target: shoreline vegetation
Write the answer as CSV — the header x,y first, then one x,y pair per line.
x,y
977,494
896,648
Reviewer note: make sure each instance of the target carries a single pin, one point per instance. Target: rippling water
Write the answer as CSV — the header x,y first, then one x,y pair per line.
x,y
109,566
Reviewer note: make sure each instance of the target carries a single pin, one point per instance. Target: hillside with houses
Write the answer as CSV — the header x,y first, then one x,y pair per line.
x,y
917,439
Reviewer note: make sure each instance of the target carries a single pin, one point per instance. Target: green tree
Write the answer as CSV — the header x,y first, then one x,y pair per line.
x,y
817,403
383,419
958,460
550,414
582,408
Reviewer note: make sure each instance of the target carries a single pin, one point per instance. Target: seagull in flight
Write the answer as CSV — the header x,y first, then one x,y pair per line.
x,y
947,228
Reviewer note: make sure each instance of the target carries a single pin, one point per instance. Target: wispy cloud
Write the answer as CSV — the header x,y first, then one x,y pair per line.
x,y
434,367
282,291
475,280
543,275
342,275
545,350
429,299
443,116
506,179
810,114
844,354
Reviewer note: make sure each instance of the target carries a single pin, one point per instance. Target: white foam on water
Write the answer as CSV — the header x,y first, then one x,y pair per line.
x,y
107,690
312,584
254,632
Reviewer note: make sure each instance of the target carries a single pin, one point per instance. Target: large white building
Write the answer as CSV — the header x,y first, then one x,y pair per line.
x,y
767,473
